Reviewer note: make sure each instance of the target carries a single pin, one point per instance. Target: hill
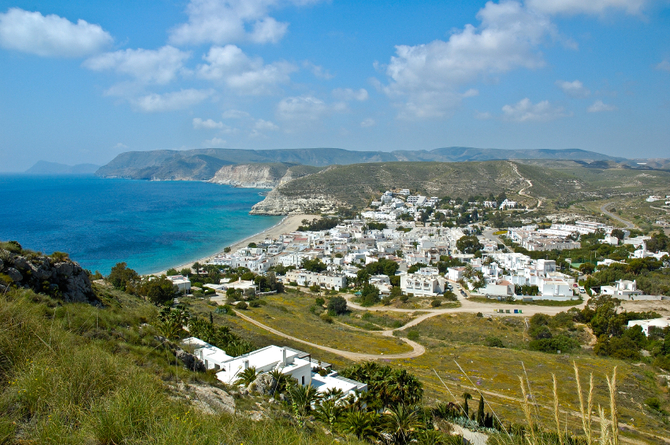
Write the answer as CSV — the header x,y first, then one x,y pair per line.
x,y
559,181
54,168
202,164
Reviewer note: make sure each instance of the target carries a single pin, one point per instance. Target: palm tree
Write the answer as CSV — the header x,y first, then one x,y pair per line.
x,y
360,423
328,412
302,398
246,377
281,381
401,422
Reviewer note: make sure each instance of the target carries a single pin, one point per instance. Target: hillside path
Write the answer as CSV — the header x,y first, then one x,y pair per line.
x,y
522,192
467,306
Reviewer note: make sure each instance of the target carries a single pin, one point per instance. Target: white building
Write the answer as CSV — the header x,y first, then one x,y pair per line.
x,y
287,360
455,273
424,283
182,283
307,278
660,323
623,289
211,356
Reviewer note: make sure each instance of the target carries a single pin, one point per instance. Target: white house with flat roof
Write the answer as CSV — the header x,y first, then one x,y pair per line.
x,y
182,283
211,356
266,359
660,323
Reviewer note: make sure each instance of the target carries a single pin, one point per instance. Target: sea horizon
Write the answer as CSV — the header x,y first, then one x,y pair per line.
x,y
150,225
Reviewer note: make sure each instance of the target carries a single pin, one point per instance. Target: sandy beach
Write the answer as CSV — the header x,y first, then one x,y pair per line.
x,y
288,224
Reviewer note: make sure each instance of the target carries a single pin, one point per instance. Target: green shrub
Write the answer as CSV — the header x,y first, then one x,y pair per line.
x,y
241,305
494,342
413,335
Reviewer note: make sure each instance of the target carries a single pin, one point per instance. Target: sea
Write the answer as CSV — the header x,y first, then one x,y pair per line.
x,y
150,225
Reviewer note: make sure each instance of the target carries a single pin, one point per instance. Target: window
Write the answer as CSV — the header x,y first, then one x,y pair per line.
x,y
303,380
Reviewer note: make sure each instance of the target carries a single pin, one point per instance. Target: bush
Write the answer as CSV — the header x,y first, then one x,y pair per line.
x,y
242,305
326,317
404,298
435,303
320,301
494,342
413,335
653,403
552,345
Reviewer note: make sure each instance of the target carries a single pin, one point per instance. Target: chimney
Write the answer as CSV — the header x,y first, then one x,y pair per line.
x,y
246,364
283,356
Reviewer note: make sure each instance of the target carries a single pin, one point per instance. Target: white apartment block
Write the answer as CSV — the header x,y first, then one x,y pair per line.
x,y
306,278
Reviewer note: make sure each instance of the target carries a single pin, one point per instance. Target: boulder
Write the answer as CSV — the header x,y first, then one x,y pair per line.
x,y
265,384
190,361
14,274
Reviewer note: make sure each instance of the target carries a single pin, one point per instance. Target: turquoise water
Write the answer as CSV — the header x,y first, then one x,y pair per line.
x,y
148,224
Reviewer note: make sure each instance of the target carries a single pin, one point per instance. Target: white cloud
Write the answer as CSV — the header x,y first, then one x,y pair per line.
x,y
208,124
177,100
120,146
301,109
318,71
214,143
241,73
483,115
663,66
264,125
148,66
525,111
427,77
599,106
369,122
574,88
347,94
51,35
225,21
570,7
235,114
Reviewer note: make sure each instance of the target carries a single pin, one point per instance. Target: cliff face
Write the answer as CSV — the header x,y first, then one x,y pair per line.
x,y
260,175
275,203
265,176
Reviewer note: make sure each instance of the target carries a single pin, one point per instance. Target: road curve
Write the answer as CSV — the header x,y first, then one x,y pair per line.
x,y
467,306
417,349
628,224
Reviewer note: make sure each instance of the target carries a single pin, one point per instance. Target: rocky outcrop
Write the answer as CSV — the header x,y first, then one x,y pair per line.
x,y
275,203
54,275
265,176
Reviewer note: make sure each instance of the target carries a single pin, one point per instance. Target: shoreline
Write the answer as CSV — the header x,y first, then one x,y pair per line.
x,y
288,224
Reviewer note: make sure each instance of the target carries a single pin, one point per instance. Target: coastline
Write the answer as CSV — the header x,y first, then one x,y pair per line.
x,y
288,224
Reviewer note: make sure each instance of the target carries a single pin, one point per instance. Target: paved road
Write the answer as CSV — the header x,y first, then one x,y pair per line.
x,y
628,224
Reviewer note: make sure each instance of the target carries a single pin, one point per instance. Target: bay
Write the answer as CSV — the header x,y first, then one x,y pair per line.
x,y
151,225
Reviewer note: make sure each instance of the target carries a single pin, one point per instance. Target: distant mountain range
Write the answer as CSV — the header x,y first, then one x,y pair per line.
x,y
54,168
202,164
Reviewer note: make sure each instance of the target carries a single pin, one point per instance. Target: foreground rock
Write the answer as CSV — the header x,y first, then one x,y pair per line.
x,y
54,275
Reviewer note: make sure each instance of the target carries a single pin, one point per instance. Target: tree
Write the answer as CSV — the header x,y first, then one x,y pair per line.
x,y
369,295
466,396
337,305
587,268
360,423
619,234
122,277
469,244
401,422
246,377
314,265
159,290
480,411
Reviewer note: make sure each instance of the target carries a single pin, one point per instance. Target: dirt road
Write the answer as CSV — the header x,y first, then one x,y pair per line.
x,y
467,306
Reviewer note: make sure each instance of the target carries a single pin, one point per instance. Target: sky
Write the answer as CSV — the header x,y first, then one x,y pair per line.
x,y
84,80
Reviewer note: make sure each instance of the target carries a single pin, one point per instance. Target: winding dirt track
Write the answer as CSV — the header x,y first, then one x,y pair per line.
x,y
467,306
522,192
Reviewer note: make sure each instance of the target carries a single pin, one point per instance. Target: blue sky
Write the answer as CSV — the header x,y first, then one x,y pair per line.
x,y
82,81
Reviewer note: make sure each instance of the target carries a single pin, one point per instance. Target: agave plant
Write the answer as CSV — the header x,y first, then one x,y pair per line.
x,y
246,377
